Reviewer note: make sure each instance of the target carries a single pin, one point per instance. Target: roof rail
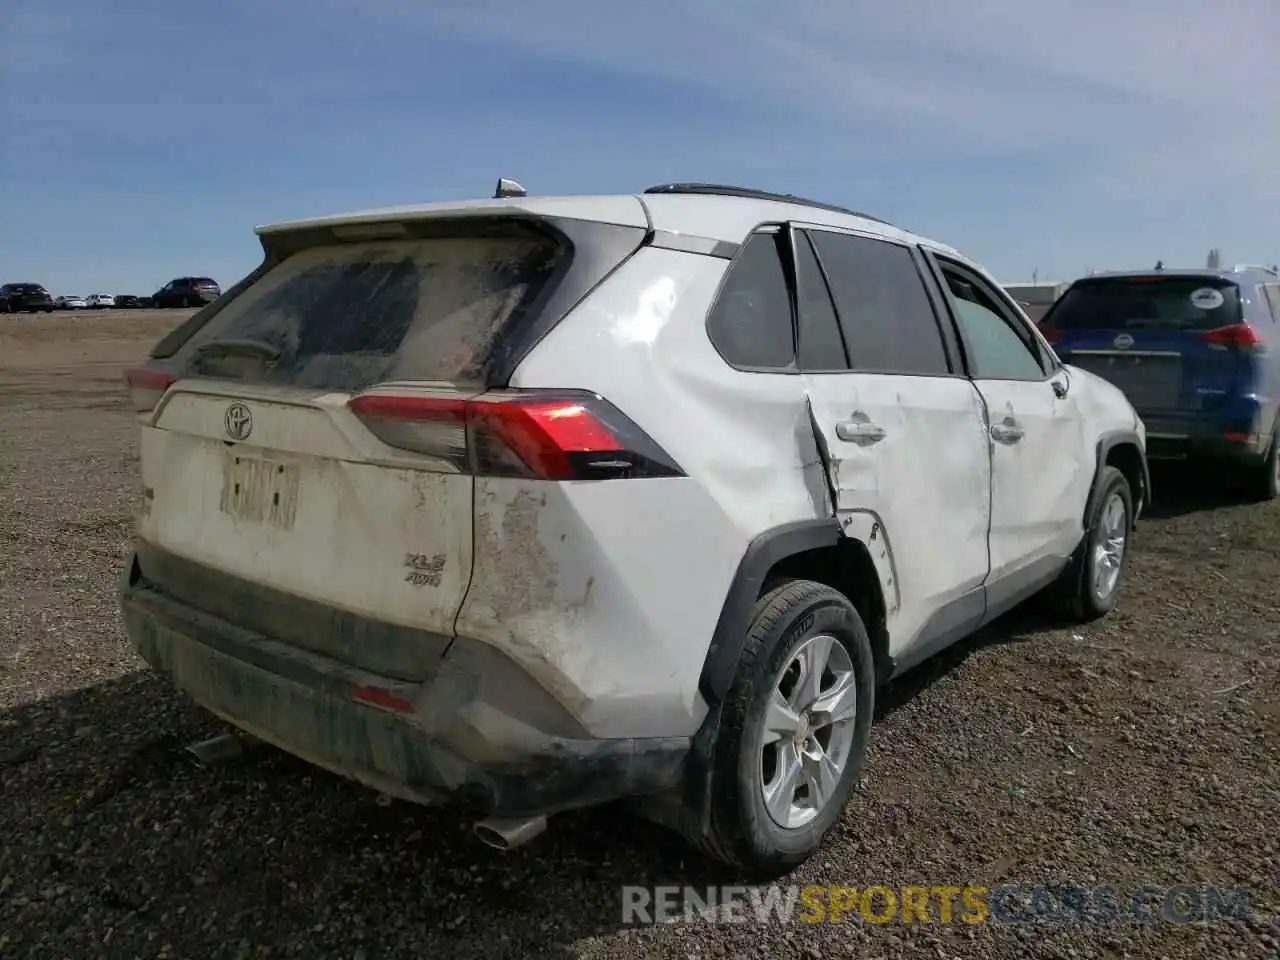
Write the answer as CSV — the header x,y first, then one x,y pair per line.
x,y
720,190
1244,267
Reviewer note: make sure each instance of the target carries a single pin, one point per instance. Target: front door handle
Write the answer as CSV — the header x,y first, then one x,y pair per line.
x,y
1007,431
862,432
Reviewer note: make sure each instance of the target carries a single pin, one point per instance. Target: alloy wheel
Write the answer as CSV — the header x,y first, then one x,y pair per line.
x,y
808,729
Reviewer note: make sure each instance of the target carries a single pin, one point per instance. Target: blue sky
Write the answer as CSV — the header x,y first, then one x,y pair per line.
x,y
144,140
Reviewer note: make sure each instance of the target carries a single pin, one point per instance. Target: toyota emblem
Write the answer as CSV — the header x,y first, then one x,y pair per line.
x,y
1124,342
238,421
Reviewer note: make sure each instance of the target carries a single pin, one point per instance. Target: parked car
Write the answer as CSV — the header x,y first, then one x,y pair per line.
x,y
25,298
128,302
101,301
1196,353
447,538
70,303
187,292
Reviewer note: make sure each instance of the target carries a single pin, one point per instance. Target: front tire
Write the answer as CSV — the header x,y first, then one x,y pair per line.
x,y
1090,585
793,730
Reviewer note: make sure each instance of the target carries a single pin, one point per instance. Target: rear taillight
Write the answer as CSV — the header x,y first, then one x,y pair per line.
x,y
147,386
1052,334
535,434
1238,336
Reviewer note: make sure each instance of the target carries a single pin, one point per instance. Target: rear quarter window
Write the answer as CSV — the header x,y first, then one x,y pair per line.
x,y
343,317
751,324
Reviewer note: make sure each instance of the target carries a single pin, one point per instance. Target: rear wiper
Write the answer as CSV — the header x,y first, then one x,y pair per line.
x,y
258,348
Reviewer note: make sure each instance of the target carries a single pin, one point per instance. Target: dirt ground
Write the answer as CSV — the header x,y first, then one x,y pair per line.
x,y
1141,750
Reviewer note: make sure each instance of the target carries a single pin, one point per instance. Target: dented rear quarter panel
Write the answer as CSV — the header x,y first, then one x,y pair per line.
x,y
609,620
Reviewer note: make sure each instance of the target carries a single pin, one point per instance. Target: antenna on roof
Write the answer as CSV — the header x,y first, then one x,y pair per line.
x,y
508,188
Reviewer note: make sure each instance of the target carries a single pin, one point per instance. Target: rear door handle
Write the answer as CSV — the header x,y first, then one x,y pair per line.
x,y
862,432
1008,431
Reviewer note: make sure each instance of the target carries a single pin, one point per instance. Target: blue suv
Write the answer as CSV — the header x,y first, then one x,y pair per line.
x,y
1197,352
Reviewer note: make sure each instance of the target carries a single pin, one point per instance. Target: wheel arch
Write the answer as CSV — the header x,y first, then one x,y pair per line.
x,y
1122,449
818,550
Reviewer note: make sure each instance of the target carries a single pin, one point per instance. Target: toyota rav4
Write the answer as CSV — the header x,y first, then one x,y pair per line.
x,y
533,504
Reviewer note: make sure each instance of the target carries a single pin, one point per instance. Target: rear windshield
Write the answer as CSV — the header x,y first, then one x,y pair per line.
x,y
203,282
27,288
1173,303
343,317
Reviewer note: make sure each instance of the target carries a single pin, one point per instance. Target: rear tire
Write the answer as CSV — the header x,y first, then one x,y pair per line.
x,y
1266,482
804,695
1090,585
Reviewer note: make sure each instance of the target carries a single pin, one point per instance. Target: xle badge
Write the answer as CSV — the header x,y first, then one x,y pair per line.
x,y
424,571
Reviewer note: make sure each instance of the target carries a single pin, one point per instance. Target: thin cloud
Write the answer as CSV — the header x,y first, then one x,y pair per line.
x,y
1169,91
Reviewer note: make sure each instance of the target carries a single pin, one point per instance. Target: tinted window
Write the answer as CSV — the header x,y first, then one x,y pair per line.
x,y
346,316
820,345
1142,303
884,311
750,323
998,350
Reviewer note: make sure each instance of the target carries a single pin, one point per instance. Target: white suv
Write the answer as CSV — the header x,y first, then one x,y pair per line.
x,y
541,503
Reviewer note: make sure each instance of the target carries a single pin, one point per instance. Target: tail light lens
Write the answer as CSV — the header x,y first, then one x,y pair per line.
x,y
1238,336
1052,334
545,435
147,386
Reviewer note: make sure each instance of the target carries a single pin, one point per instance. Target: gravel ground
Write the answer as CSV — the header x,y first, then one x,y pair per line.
x,y
1142,749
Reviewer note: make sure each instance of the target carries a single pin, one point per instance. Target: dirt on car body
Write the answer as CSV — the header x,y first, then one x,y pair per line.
x,y
1140,750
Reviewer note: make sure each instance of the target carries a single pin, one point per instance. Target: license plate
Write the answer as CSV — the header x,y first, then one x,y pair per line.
x,y
260,490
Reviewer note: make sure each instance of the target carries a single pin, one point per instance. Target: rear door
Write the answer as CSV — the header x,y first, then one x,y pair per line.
x,y
1147,335
902,428
1041,463
255,466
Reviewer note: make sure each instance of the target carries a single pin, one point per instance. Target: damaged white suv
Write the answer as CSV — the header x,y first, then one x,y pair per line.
x,y
533,504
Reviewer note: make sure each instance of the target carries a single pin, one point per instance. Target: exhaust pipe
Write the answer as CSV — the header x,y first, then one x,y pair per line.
x,y
508,834
218,750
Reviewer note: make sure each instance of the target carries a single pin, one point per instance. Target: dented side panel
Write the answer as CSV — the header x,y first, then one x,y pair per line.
x,y
918,478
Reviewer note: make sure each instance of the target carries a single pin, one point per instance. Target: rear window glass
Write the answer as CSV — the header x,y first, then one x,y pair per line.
x,y
344,317
1177,303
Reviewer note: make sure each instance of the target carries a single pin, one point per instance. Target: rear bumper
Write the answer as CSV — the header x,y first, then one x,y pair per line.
x,y
1170,438
474,734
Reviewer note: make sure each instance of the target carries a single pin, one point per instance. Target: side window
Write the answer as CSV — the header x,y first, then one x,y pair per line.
x,y
750,323
999,350
885,313
821,347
